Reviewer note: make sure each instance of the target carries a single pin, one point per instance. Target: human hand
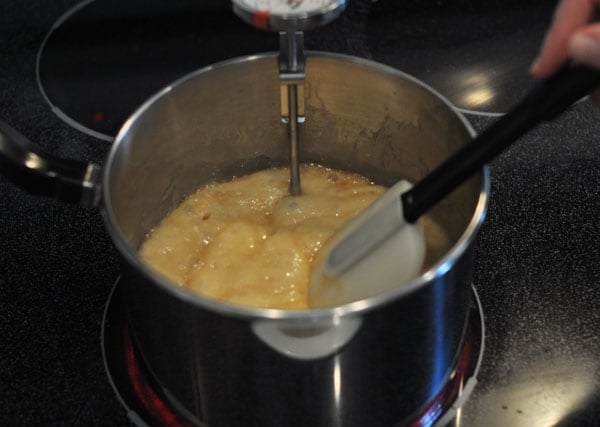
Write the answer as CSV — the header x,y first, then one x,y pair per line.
x,y
572,35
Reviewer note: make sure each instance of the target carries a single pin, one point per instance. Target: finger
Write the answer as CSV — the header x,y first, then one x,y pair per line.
x,y
584,46
570,15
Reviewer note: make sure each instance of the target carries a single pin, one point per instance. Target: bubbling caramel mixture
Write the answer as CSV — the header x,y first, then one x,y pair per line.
x,y
248,242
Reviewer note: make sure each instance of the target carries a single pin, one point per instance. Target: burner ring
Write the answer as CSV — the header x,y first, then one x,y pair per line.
x,y
146,405
55,108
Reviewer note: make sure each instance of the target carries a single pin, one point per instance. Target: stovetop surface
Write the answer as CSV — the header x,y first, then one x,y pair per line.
x,y
537,270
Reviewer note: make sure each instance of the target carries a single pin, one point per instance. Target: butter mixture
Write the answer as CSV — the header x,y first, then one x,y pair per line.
x,y
248,242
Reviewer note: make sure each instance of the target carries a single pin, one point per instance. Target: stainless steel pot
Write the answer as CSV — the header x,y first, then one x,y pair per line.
x,y
372,362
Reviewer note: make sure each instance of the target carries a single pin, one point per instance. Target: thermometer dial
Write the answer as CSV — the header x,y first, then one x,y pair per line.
x,y
288,15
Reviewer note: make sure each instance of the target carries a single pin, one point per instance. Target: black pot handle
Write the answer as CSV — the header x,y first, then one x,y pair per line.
x,y
40,173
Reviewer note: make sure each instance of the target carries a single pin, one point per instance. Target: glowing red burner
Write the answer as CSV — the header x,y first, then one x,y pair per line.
x,y
98,116
151,401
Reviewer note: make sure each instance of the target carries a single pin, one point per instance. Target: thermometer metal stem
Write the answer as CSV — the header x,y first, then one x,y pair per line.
x,y
291,75
290,18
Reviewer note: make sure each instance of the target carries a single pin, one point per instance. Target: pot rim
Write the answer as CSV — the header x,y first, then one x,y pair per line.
x,y
130,253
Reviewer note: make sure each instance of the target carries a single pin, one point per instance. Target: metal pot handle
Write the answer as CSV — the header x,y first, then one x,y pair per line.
x,y
41,173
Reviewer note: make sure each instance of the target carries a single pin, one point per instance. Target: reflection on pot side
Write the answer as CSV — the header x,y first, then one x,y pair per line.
x,y
249,242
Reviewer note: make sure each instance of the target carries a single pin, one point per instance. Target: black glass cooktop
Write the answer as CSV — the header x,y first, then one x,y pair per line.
x,y
103,58
477,54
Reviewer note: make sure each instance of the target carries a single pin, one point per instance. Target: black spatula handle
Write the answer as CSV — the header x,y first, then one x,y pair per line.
x,y
550,98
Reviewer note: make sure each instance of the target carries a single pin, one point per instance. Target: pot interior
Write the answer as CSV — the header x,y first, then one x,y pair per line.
x,y
224,121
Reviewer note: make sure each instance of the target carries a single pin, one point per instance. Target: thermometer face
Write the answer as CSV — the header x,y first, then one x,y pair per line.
x,y
288,15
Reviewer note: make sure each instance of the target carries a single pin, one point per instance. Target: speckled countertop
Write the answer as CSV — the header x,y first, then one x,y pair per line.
x,y
537,269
